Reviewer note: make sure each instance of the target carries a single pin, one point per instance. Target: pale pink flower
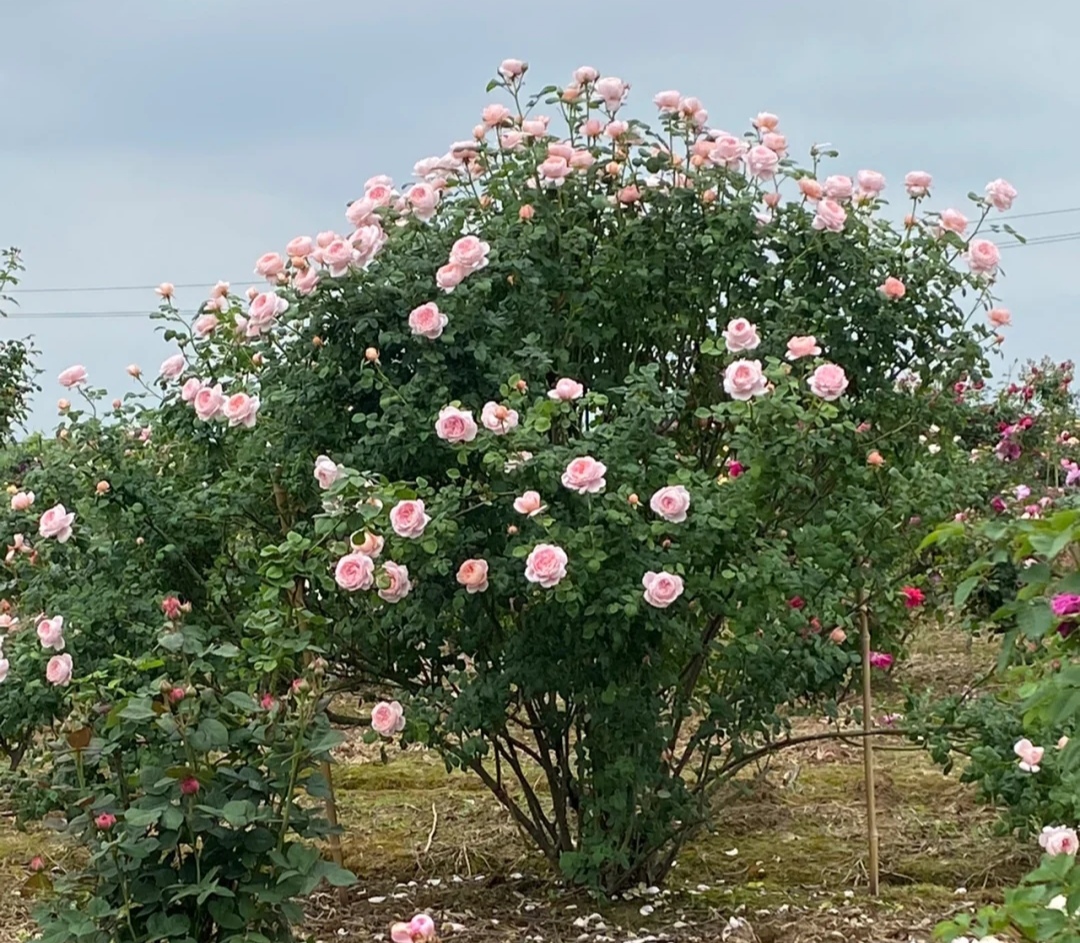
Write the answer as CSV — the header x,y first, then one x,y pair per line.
x,y
263,311
592,128
582,159
495,114
1001,194
134,370
629,194
671,503
470,253
535,127
359,213
566,390
612,91
828,381
1059,840
56,522
306,282
762,162
529,504
424,199
728,150
408,519
172,367
220,290
339,257
802,347
999,317
355,571
270,266
776,143
73,376
870,181
546,565
667,101
380,190
190,389
367,241
1029,756
208,402
554,171
954,221
5,667
205,324
455,425
396,578
983,256
585,475
427,321
371,545
498,418
512,68
740,334
299,247
662,589
241,410
585,74
616,129
473,575
50,633
59,669
379,180
388,718
744,379
166,290
917,183
811,188
450,276
326,471
830,215
765,121
22,500
838,187
893,288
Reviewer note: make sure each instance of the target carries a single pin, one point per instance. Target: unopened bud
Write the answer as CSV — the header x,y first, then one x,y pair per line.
x,y
371,354
665,543
134,370
512,529
116,404
63,405
634,500
521,386
102,487
257,359
316,341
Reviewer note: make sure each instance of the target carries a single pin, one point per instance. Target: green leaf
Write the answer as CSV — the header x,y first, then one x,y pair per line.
x,y
964,590
1035,620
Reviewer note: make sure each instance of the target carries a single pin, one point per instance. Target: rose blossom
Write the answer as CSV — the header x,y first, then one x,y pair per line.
x,y
172,367
208,402
423,198
189,786
744,379
50,633
165,289
1059,840
810,188
728,150
671,503
241,410
1029,755
339,257
473,575
22,500
262,312
270,266
765,121
667,102
73,376
1065,604
529,504
999,317
612,90
917,183
56,522
893,288
1001,194
421,929
354,571
387,718
190,389
455,425
881,660
370,546
512,68
828,381
326,471
983,256
408,519
566,390
838,187
205,324
58,670
870,181
802,347
398,584
585,475
830,215
307,281
762,162
497,418
450,276
662,589
546,565
299,248
427,321
740,334
470,254
776,143
954,221
495,114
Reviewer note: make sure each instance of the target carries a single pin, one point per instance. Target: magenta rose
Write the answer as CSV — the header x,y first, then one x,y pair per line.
x,y
408,519
387,718
671,503
427,321
546,565
355,571
56,522
744,379
662,589
740,334
394,582
455,425
828,381
585,475
1065,604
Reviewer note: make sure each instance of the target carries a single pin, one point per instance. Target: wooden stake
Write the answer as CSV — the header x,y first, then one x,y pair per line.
x,y
331,817
868,754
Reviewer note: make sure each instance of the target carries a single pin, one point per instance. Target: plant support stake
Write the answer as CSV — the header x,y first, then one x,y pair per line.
x,y
868,755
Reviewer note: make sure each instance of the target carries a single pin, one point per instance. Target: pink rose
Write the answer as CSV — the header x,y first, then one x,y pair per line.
x,y
529,504
592,128
208,402
166,290
629,194
56,522
371,545
917,183
870,181
408,519
263,311
893,288
728,150
512,68
241,410
270,266
326,472
73,376
566,390
662,589
423,198
380,190
828,381
450,276
546,565
22,500
838,187
740,334
667,101
190,389
830,215
534,127
802,347
554,171
612,91
388,718
776,143
470,253
765,121
616,129
582,159
427,321
50,633
5,667
954,221
999,317
307,281
473,575
498,418
585,74
455,425
983,256
172,367
359,213
355,571
1001,194
205,324
299,247
495,114
1059,840
1030,756
58,670
220,290
339,257
762,162
671,503
811,189
585,475
744,379
394,583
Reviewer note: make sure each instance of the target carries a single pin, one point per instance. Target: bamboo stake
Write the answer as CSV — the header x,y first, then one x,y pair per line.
x,y
868,754
331,817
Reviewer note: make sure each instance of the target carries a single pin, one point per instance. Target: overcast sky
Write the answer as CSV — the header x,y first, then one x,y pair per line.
x,y
179,139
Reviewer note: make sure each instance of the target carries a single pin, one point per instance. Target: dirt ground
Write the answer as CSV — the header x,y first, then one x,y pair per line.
x,y
784,863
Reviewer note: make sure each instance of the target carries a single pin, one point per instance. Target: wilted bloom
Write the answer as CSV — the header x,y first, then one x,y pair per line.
x,y
881,660
421,929
1059,840
1029,755
171,607
388,718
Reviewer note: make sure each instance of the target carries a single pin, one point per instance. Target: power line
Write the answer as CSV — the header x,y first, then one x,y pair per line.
x,y
73,288
76,315
1070,209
